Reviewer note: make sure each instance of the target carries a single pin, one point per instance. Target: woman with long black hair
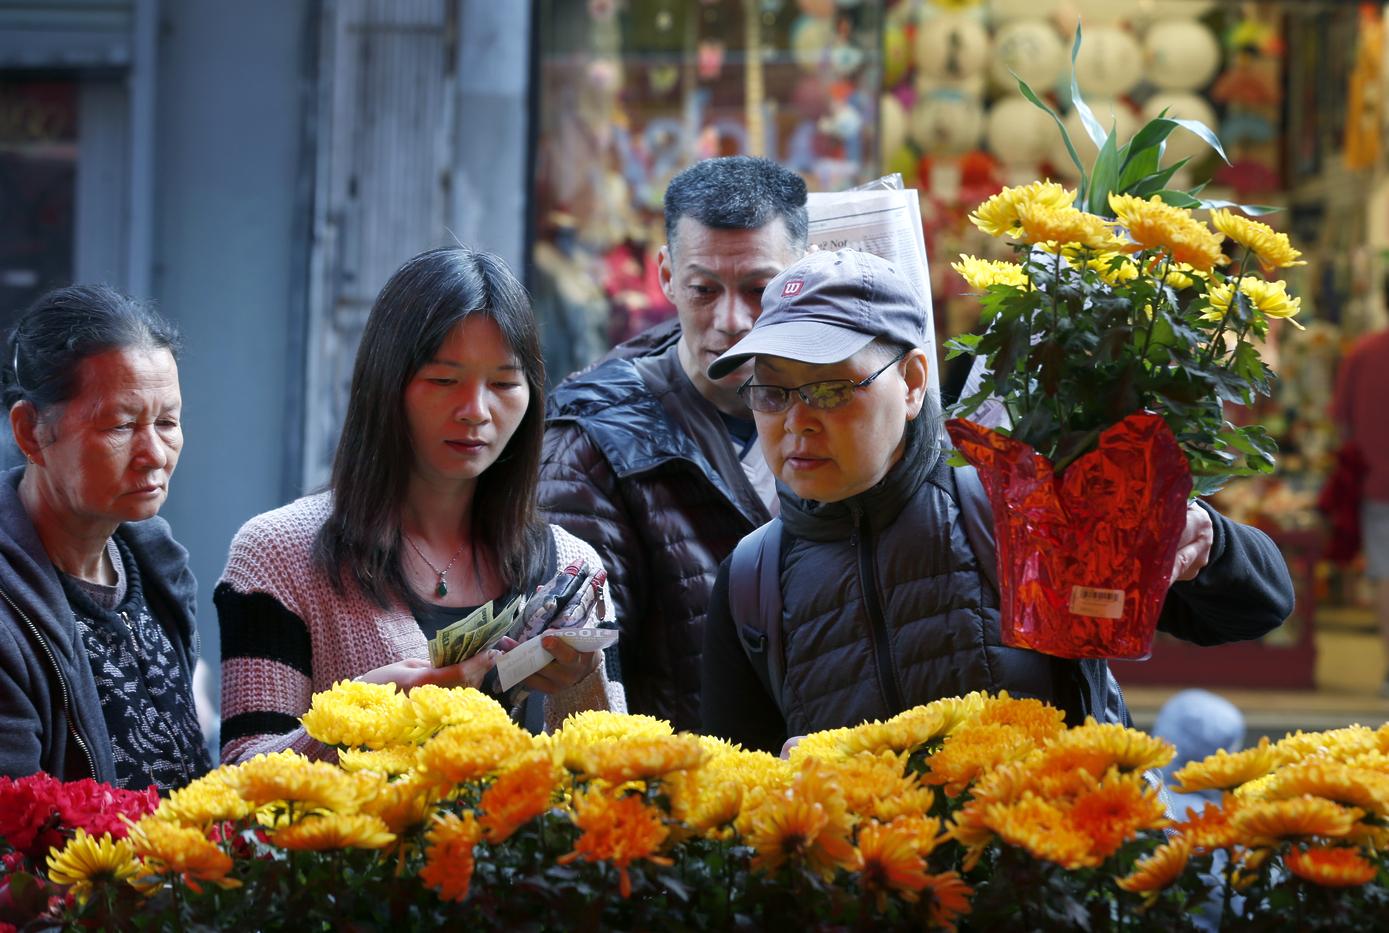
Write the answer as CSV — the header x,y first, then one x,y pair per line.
x,y
431,511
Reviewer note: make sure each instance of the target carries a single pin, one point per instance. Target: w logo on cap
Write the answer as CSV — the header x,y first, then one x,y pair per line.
x,y
792,288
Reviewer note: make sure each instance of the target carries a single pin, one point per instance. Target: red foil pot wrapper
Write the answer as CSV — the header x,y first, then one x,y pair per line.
x,y
1084,558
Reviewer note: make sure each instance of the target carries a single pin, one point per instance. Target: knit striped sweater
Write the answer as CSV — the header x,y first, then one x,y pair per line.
x,y
287,634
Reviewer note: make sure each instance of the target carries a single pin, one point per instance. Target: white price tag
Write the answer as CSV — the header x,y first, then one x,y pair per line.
x,y
1101,604
530,656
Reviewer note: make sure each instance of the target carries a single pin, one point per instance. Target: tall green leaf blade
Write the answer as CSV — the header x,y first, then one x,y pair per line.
x,y
1087,116
1151,137
1152,183
1205,133
1256,210
1028,93
1178,198
1104,176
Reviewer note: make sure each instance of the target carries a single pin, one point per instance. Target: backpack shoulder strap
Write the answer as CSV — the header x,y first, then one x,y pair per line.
x,y
978,517
754,601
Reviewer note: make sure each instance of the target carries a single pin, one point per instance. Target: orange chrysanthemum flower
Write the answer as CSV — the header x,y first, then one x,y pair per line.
x,y
1341,744
403,805
888,861
974,750
182,851
1156,872
448,861
1262,822
1212,827
1114,810
617,830
462,753
947,897
1331,867
1114,744
1224,770
1043,830
789,827
1153,224
522,793
1039,721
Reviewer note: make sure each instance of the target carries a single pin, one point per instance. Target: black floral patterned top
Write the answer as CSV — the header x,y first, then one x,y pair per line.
x,y
146,696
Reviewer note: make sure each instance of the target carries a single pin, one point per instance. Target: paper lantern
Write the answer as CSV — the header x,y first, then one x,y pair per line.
x,y
1182,144
1175,9
946,121
1091,13
892,125
951,47
1109,113
1019,133
1110,62
1182,55
1031,49
811,38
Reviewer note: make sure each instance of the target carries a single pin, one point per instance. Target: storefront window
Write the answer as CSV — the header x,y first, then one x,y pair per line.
x,y
629,93
38,175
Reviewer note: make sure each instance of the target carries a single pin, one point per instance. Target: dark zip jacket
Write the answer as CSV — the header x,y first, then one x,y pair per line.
x,y
50,714
885,608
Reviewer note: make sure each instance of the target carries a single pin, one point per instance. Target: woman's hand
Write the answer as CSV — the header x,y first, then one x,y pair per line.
x,y
413,672
568,667
1194,547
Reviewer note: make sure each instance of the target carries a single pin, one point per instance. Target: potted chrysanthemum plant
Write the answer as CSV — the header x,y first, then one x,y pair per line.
x,y
1112,343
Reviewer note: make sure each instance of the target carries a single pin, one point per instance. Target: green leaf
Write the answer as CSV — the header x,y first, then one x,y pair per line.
x,y
1204,133
1087,116
1065,136
1177,198
1105,174
1257,210
1151,183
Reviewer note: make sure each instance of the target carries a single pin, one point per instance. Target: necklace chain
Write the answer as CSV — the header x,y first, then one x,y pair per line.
x,y
442,589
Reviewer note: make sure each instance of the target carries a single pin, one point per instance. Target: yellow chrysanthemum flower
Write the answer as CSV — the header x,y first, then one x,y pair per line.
x,y
1356,787
1154,224
786,827
520,794
1341,744
1181,275
1115,745
913,728
887,862
1042,829
760,775
1039,721
974,750
391,761
205,801
1158,871
467,752
1272,249
704,800
979,274
590,726
1114,268
1066,227
617,830
1331,867
403,805
183,851
636,759
826,745
288,777
333,831
1271,299
1112,811
1224,770
357,714
998,216
431,709
1263,822
448,862
87,860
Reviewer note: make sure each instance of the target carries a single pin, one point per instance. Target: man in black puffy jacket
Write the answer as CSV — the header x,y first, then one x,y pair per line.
x,y
882,602
654,463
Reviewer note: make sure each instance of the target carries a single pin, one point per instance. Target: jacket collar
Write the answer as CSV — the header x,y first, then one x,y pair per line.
x,y
834,521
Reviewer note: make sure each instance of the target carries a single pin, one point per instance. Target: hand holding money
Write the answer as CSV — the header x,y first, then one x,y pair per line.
x,y
473,634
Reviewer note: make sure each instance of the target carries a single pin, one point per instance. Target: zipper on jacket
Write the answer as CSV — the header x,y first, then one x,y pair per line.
x,y
62,685
877,624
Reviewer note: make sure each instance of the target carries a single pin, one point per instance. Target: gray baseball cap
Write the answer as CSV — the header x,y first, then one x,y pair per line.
x,y
828,306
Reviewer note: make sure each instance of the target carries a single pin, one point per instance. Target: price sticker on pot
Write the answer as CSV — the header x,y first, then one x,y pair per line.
x,y
1098,603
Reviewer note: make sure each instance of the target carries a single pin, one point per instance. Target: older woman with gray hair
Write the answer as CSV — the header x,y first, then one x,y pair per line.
x,y
97,634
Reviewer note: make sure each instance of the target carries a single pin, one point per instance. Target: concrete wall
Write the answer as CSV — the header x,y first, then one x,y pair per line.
x,y
226,255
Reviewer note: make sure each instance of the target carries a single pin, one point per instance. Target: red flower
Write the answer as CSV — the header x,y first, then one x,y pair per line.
x,y
38,812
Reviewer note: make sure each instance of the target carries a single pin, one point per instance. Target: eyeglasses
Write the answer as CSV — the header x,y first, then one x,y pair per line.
x,y
822,396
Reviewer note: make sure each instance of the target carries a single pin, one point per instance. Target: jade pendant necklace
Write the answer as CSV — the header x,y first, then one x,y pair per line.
x,y
442,589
